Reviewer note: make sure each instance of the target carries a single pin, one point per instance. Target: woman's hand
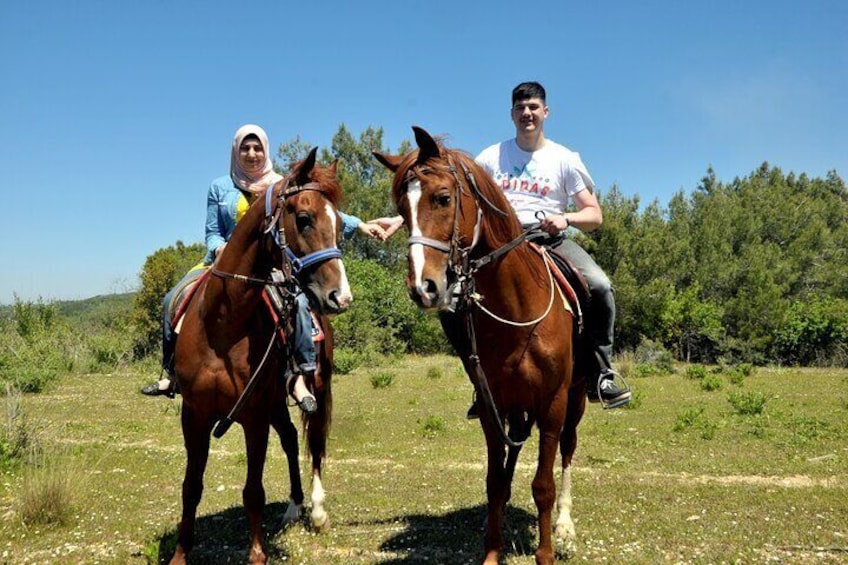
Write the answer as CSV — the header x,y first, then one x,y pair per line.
x,y
373,229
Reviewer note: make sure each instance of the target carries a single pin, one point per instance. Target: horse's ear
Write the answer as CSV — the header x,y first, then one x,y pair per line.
x,y
391,162
334,166
305,167
427,146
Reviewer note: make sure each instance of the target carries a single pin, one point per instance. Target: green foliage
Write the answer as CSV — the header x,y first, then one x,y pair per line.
x,y
434,373
815,333
688,418
382,379
16,434
711,383
382,318
696,371
751,403
745,271
432,426
161,271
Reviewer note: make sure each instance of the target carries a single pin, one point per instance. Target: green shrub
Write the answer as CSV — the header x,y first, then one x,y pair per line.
x,y
711,383
383,379
696,372
47,493
749,403
16,435
434,373
432,425
688,418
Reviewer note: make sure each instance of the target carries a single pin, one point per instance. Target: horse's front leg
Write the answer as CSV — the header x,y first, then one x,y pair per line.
x,y
318,425
564,532
196,433
253,495
288,439
544,487
497,492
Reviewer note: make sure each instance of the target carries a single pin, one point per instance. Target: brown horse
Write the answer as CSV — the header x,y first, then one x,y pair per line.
x,y
228,335
502,311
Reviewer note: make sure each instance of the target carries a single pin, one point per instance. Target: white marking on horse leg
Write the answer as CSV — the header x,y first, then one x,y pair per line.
x,y
292,514
319,515
566,537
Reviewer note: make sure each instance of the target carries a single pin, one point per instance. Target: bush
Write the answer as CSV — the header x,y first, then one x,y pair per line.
x,y
382,379
814,333
432,425
711,383
748,403
696,372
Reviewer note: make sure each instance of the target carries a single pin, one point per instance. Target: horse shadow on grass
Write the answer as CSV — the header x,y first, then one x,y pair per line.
x,y
455,537
224,537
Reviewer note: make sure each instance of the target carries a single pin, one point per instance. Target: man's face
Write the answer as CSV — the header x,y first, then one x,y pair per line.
x,y
529,114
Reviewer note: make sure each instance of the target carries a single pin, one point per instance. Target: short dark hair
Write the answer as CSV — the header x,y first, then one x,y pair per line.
x,y
527,90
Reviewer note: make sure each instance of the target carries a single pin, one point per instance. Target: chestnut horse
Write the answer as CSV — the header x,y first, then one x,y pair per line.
x,y
502,311
228,335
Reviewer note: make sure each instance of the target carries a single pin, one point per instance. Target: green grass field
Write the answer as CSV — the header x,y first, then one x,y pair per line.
x,y
683,477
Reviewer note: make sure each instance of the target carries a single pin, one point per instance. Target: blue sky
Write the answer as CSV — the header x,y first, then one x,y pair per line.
x,y
116,115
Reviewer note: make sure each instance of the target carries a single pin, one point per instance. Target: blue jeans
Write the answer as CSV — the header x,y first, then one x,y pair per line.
x,y
601,320
304,348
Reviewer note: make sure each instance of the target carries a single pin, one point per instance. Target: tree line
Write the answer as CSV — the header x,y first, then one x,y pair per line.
x,y
752,270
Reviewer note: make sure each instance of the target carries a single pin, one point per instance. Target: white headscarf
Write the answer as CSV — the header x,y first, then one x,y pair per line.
x,y
252,183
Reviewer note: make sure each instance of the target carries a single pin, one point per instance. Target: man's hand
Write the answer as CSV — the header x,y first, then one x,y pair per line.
x,y
391,225
373,229
554,224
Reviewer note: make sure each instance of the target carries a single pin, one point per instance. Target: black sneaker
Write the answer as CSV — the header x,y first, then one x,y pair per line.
x,y
611,395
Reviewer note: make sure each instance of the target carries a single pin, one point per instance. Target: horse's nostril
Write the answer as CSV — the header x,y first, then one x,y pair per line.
x,y
430,287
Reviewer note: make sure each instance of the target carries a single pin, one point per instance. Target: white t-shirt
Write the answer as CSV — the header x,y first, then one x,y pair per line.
x,y
535,181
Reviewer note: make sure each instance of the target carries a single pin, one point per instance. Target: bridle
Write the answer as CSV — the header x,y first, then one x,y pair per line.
x,y
292,264
463,269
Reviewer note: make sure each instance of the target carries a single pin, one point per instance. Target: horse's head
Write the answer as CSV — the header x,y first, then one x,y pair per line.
x,y
445,199
311,226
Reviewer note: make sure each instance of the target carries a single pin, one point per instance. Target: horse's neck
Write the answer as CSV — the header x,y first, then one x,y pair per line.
x,y
230,301
513,281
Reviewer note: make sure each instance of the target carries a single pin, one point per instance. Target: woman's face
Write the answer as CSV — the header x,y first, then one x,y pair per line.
x,y
251,155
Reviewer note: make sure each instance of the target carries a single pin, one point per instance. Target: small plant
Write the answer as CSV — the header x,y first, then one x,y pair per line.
x,y
16,437
749,403
434,373
688,419
382,379
46,496
711,383
432,425
708,429
696,372
459,371
345,361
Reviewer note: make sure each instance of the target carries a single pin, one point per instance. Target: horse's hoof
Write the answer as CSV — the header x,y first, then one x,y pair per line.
x,y
565,548
321,524
292,514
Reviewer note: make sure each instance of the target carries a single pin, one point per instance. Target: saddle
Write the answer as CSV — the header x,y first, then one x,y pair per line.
x,y
272,296
571,282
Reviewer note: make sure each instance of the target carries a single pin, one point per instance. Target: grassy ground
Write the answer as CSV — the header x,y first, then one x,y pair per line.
x,y
680,478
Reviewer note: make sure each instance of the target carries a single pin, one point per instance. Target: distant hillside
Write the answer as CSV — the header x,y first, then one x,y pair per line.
x,y
99,310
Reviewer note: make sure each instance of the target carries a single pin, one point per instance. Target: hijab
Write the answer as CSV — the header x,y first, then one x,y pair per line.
x,y
255,183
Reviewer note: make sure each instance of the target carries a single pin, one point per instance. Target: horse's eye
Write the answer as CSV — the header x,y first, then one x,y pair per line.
x,y
442,200
303,221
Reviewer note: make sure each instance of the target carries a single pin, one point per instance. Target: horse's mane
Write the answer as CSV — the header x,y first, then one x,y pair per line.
x,y
496,230
330,185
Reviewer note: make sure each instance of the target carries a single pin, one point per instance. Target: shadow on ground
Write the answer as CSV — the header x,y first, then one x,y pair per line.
x,y
456,537
224,538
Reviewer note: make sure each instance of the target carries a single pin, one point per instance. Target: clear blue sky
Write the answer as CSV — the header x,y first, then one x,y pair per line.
x,y
116,115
